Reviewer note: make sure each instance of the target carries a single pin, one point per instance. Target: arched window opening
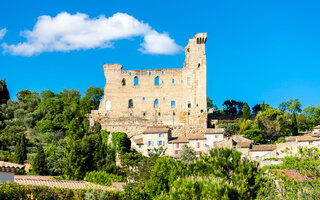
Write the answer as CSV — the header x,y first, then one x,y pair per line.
x,y
149,73
156,103
130,103
144,114
108,105
173,104
159,114
124,82
156,80
136,81
172,81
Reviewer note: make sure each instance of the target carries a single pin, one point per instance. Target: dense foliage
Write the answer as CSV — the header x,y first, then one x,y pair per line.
x,y
11,191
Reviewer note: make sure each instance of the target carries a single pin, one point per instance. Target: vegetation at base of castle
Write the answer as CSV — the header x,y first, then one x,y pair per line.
x,y
280,186
241,178
103,178
12,191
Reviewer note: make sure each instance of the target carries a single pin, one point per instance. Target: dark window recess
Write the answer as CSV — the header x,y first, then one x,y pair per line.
x,y
124,82
156,103
159,114
130,103
144,114
201,111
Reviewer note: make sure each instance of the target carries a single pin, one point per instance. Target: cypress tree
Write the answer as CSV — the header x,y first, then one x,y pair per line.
x,y
246,111
294,124
4,92
20,152
39,163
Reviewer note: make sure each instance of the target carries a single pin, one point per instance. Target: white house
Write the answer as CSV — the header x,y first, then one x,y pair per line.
x,y
7,170
260,150
214,135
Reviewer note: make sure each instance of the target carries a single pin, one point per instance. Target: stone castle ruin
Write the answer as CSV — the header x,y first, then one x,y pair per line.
x,y
177,98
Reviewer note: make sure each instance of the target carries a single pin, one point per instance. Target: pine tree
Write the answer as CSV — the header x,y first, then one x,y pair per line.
x,y
20,152
4,92
39,163
294,124
246,111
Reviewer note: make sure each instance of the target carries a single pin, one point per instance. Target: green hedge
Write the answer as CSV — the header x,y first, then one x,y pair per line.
x,y
13,191
103,178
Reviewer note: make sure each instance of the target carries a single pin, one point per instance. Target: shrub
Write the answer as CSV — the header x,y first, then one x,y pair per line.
x,y
103,178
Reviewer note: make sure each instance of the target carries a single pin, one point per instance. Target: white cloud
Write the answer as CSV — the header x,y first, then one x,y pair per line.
x,y
2,33
67,32
159,43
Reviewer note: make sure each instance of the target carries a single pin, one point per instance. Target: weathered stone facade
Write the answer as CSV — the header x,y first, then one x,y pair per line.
x,y
135,99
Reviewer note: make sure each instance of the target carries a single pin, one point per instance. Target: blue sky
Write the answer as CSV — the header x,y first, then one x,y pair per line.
x,y
256,50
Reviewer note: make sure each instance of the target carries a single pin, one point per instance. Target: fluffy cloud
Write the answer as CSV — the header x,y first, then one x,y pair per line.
x,y
67,32
2,33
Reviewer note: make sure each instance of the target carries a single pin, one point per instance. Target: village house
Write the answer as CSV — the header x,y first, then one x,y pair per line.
x,y
260,150
7,170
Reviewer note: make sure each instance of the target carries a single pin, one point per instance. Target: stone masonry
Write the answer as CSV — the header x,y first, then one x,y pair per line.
x,y
135,99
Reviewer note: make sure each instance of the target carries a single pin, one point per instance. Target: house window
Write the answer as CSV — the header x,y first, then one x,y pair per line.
x,y
198,144
130,103
176,152
161,135
156,80
136,81
311,142
215,136
160,143
177,145
143,98
149,143
149,73
173,104
156,103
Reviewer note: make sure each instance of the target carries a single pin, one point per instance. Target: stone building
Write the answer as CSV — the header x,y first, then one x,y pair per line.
x,y
135,99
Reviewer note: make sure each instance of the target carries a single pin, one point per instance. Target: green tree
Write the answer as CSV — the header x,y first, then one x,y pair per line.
x,y
257,135
20,152
231,128
246,111
187,153
4,92
39,164
294,124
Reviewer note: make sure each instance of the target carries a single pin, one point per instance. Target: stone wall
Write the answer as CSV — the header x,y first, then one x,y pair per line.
x,y
133,100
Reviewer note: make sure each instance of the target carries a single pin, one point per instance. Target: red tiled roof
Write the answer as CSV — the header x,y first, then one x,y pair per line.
x,y
139,141
292,174
8,166
215,131
196,137
45,181
180,139
302,138
317,127
243,144
263,147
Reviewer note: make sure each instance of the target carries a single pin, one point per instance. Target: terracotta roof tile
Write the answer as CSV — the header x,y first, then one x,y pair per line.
x,y
138,141
317,127
243,144
9,165
215,131
292,174
44,181
263,147
180,139
196,137
302,138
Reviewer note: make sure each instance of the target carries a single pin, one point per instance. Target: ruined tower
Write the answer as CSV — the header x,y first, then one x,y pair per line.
x,y
135,99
